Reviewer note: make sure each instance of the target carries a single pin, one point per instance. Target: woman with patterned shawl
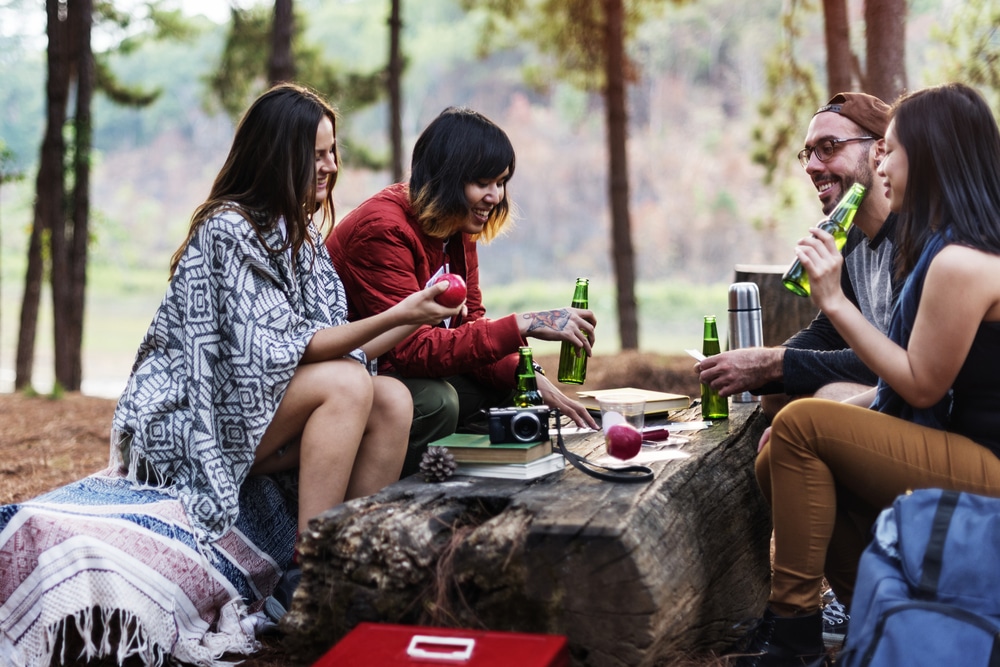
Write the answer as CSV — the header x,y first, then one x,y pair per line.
x,y
250,365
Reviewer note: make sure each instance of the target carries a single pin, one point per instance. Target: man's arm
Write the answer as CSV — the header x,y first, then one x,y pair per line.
x,y
805,371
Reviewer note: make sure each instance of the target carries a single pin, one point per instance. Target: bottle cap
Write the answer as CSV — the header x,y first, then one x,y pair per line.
x,y
744,296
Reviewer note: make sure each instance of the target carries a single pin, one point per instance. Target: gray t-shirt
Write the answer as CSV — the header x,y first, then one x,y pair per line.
x,y
818,355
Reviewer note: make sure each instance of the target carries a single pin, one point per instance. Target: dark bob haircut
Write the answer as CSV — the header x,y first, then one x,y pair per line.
x,y
460,146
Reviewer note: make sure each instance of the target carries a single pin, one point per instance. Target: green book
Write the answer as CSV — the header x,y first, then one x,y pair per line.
x,y
476,448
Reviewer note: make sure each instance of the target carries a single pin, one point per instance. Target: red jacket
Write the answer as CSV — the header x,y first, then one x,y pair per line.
x,y
383,256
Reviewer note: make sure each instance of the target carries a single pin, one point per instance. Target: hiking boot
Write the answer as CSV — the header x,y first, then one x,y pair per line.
x,y
835,620
779,641
279,601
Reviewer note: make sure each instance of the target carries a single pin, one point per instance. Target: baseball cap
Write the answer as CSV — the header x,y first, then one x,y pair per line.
x,y
869,112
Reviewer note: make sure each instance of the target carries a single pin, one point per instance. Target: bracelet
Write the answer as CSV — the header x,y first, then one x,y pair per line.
x,y
538,368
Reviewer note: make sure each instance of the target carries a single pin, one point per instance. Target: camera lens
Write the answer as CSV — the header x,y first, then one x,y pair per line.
x,y
525,426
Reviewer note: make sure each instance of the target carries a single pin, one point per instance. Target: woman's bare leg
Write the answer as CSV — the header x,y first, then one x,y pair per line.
x,y
327,406
383,447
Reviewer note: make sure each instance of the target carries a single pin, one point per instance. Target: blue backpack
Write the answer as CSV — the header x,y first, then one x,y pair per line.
x,y
928,587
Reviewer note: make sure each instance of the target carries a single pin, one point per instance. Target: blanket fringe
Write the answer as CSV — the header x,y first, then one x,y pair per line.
x,y
98,632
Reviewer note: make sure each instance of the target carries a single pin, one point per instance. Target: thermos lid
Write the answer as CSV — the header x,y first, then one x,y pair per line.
x,y
744,296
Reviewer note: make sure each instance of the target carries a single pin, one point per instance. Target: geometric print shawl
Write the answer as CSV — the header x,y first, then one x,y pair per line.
x,y
216,361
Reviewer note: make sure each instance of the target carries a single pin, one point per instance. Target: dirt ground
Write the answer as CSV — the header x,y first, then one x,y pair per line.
x,y
46,443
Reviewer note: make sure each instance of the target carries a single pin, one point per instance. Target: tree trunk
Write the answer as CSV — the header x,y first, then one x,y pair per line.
x,y
281,65
70,374
395,95
885,44
838,46
50,188
28,327
623,255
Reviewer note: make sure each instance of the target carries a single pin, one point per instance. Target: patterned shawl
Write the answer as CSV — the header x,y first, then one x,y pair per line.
x,y
215,363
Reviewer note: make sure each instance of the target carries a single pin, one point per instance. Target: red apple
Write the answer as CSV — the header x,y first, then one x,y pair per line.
x,y
455,294
622,440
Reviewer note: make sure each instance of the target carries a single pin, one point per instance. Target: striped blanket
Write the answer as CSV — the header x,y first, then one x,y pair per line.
x,y
119,569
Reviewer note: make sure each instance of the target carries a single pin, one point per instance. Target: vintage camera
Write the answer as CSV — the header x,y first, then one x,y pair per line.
x,y
515,425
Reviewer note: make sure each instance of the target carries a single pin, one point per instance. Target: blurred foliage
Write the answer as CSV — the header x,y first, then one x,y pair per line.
x,y
242,75
571,32
792,94
971,52
8,173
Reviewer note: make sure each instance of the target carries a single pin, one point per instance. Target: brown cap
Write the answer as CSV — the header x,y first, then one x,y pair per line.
x,y
870,113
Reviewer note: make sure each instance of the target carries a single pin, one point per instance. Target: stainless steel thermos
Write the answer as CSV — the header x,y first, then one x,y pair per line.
x,y
744,324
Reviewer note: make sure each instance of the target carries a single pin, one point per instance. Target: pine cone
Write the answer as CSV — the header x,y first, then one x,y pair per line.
x,y
437,464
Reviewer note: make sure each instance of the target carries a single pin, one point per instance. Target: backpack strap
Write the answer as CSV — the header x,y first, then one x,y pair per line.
x,y
934,555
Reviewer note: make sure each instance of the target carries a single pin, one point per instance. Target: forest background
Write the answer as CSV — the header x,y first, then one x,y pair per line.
x,y
699,202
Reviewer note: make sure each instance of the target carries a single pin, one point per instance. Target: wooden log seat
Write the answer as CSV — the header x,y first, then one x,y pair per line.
x,y
632,574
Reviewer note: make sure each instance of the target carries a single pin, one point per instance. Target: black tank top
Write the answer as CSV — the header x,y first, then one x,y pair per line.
x,y
975,412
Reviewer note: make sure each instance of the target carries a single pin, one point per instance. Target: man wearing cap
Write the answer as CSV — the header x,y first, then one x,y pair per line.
x,y
842,146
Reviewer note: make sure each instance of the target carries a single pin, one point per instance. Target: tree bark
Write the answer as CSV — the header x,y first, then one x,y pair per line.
x,y
623,255
394,83
838,46
50,188
70,372
885,44
281,64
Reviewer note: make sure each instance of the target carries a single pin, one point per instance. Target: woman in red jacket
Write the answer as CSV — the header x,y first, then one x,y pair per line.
x,y
407,234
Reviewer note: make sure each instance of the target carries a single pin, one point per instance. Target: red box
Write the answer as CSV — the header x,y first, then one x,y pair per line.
x,y
378,644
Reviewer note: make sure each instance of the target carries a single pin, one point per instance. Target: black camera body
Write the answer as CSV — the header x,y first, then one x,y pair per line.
x,y
517,425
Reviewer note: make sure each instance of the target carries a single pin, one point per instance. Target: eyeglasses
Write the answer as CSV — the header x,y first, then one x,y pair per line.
x,y
826,149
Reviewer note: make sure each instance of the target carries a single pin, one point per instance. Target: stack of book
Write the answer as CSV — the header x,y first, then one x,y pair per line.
x,y
477,457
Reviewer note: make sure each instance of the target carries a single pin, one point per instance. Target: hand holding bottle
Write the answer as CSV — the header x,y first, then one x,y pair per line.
x,y
820,257
573,325
796,278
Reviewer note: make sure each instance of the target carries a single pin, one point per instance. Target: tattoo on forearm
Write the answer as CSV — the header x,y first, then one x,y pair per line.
x,y
549,319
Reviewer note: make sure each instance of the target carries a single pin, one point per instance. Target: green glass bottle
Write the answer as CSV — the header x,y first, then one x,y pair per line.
x,y
796,278
713,406
573,362
526,394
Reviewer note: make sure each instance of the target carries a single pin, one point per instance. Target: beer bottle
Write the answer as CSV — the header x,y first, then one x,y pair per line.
x,y
573,362
796,278
713,406
526,394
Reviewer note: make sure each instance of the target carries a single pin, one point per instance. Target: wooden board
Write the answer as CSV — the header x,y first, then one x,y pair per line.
x,y
632,574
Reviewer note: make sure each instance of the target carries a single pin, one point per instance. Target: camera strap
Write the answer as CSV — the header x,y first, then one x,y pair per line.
x,y
631,473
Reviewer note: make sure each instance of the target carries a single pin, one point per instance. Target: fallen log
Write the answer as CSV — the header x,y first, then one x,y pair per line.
x,y
632,574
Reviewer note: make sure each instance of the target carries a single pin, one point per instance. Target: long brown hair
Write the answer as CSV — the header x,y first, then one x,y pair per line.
x,y
270,172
